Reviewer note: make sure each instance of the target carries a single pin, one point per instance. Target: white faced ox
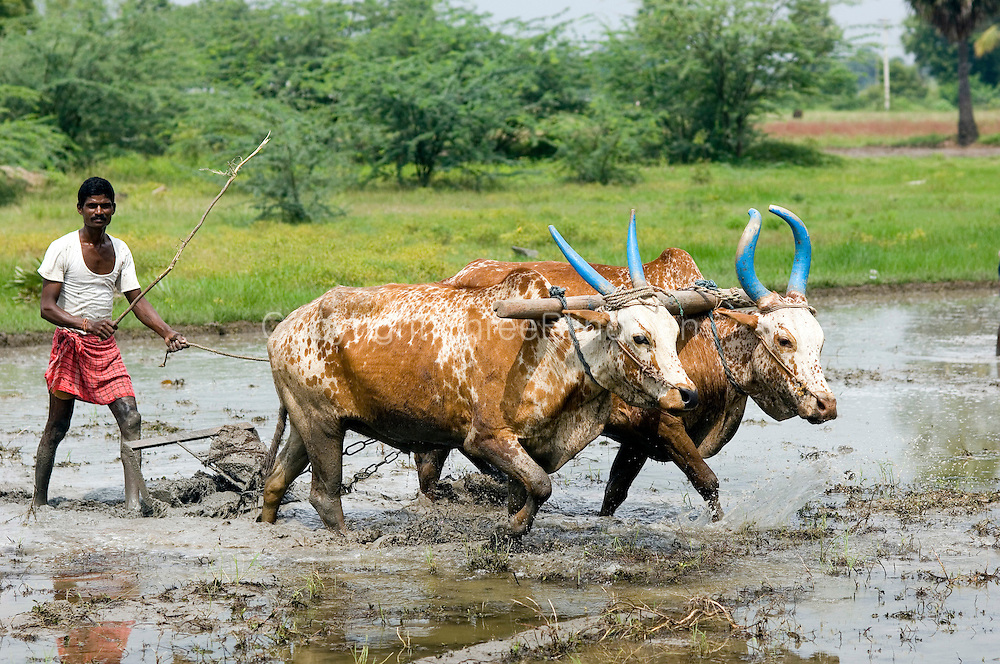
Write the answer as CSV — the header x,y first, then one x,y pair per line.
x,y
771,354
777,348
428,367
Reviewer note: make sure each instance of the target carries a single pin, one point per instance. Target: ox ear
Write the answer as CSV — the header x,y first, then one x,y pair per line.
x,y
750,320
587,317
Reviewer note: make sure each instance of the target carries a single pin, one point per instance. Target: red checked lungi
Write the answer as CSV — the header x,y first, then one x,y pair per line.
x,y
87,367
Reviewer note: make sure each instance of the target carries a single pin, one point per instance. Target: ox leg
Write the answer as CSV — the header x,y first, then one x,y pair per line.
x,y
511,459
625,468
326,453
516,496
685,454
288,465
429,465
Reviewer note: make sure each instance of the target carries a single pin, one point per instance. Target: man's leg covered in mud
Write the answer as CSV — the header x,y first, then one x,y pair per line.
x,y
130,423
56,426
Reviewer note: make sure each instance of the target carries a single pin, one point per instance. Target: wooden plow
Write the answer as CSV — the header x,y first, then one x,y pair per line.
x,y
182,437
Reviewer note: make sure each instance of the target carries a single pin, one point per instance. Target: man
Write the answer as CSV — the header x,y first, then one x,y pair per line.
x,y
82,271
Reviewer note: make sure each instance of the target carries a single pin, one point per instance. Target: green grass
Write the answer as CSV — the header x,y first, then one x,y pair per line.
x,y
928,219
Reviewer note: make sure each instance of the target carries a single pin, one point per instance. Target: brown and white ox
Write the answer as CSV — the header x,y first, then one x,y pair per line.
x,y
424,367
771,354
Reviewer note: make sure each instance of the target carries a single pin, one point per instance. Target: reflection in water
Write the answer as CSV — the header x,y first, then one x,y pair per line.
x,y
921,385
103,643
951,413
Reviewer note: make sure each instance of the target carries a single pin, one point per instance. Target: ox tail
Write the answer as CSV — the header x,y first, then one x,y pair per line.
x,y
272,454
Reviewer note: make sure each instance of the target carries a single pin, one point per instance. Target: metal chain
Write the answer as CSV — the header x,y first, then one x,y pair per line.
x,y
367,472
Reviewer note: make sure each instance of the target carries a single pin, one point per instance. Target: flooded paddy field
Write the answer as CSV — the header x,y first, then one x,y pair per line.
x,y
874,537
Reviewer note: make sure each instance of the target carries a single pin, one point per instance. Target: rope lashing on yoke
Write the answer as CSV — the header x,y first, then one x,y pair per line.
x,y
623,297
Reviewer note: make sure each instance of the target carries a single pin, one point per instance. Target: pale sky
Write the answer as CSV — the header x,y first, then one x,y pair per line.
x,y
857,17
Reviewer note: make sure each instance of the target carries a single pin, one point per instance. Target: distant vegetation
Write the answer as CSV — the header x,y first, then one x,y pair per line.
x,y
872,221
421,92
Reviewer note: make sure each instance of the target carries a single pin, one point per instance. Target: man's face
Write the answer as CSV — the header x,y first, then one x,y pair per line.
x,y
96,211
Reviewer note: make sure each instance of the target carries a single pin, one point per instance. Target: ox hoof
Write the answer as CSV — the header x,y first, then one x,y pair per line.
x,y
505,534
443,491
151,507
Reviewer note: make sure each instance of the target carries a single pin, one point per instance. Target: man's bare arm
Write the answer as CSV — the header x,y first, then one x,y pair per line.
x,y
145,312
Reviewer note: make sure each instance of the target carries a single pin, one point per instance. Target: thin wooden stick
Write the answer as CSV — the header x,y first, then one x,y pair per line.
x,y
232,172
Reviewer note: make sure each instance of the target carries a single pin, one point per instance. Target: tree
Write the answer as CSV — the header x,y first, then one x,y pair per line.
x,y
935,54
427,87
116,92
15,8
707,67
957,20
604,145
988,41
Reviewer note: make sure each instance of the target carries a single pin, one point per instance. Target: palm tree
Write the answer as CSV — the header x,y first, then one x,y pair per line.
x,y
957,20
988,41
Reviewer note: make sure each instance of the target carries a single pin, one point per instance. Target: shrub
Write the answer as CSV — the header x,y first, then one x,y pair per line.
x,y
770,152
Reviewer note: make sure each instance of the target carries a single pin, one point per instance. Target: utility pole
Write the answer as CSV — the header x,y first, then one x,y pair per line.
x,y
885,61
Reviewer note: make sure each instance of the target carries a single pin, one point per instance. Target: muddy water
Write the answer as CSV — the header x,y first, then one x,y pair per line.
x,y
917,386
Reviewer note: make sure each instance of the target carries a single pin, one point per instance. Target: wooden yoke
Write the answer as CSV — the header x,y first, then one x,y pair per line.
x,y
678,302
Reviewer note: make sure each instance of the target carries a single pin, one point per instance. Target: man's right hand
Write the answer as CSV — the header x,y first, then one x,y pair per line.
x,y
104,329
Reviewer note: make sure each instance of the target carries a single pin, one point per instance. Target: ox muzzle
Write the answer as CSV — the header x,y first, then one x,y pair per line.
x,y
821,408
679,398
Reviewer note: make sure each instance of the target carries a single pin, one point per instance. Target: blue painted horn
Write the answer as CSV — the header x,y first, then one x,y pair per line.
x,y
803,251
582,267
745,271
635,270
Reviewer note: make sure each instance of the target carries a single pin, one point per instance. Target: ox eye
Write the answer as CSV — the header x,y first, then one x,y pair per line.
x,y
785,342
640,340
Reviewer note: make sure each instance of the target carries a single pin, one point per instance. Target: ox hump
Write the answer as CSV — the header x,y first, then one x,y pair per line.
x,y
674,268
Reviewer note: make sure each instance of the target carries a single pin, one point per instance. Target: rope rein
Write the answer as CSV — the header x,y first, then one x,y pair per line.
x,y
560,294
798,382
217,352
802,389
722,357
706,285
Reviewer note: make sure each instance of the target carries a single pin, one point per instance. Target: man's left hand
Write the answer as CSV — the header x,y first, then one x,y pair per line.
x,y
176,342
